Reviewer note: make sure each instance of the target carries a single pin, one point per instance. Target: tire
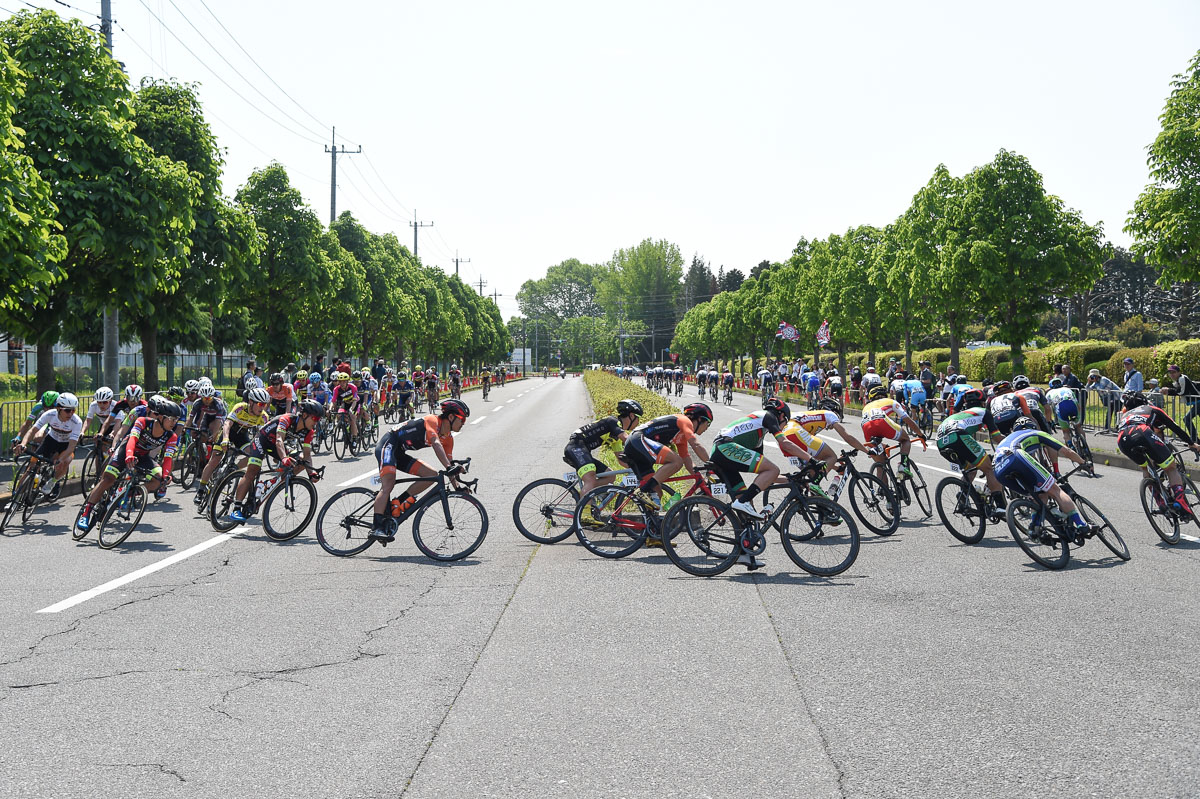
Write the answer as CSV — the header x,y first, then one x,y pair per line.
x,y
33,495
701,536
618,525
1046,546
961,510
119,522
819,536
1193,496
341,441
189,471
544,510
76,533
1107,533
1164,522
89,473
920,490
877,507
293,510
10,510
344,522
450,528
220,502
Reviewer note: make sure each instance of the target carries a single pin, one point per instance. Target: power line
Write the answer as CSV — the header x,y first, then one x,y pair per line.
x,y
383,202
385,184
224,82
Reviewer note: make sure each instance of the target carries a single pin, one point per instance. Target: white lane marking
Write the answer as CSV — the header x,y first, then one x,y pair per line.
x,y
362,476
142,572
943,471
497,409
480,419
514,399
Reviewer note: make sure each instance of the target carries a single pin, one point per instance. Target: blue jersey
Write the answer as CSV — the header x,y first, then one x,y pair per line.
x,y
813,382
914,392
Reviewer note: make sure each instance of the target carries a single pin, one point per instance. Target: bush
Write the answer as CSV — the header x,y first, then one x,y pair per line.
x,y
1004,371
1143,360
1101,365
981,364
1153,361
1136,332
1079,353
937,355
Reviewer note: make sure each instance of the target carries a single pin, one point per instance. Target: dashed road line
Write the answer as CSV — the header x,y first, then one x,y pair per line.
x,y
480,419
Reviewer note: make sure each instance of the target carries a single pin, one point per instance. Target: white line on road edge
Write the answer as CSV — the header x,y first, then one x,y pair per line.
x,y
480,419
497,409
514,399
362,476
142,572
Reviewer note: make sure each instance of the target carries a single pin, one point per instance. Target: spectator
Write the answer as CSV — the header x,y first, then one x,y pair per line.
x,y
927,377
319,366
891,370
1133,378
242,383
1154,393
1186,389
947,385
379,370
289,373
1108,392
1072,381
1058,369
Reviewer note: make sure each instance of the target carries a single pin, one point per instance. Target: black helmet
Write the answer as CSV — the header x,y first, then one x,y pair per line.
x,y
1001,387
453,407
1020,382
778,407
698,410
970,399
830,404
876,393
168,408
155,403
1134,399
312,408
1024,423
628,406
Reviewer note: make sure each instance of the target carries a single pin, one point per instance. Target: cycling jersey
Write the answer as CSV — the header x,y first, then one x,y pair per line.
x,y
38,410
870,379
455,376
345,393
431,380
914,392
956,438
882,419
123,407
598,433
1016,463
143,441
814,422
59,430
1005,408
728,379
405,389
392,450
675,429
204,415
281,395
96,412
1034,397
244,417
268,436
749,431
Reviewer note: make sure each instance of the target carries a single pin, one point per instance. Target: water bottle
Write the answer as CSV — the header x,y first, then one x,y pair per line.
x,y
395,507
259,490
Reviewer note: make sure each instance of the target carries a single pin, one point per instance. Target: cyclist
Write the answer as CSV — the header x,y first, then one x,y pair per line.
x,y
1003,409
418,377
1035,398
915,397
242,420
1140,438
273,437
191,394
58,429
455,375
727,381
869,378
207,413
404,392
956,441
1020,465
1066,407
131,399
833,386
319,390
345,399
882,418
896,385
45,402
368,389
282,394
812,387
648,448
485,377
957,388
766,382
802,431
578,452
701,379
101,407
154,432
392,453
431,386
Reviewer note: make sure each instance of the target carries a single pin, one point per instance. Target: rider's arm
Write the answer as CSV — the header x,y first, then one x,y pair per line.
x,y
1174,427
849,437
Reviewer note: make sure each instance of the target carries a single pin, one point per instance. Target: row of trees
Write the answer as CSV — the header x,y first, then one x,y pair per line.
x,y
113,199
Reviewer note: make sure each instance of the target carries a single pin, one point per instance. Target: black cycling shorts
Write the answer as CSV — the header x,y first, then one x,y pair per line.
x,y
51,448
641,454
392,455
580,458
1141,443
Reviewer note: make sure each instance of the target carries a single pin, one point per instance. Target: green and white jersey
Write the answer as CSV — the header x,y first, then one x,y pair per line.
x,y
749,431
967,421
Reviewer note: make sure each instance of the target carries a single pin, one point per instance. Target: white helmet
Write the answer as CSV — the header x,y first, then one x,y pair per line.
x,y
133,391
258,395
191,386
67,400
205,381
206,390
103,394
453,366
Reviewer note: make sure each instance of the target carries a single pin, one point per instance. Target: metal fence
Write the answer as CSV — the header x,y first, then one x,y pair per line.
x,y
83,371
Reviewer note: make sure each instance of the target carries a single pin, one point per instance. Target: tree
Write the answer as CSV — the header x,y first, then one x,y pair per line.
x,y
1019,236
224,243
568,290
1165,220
292,263
645,280
125,213
388,313
731,280
696,283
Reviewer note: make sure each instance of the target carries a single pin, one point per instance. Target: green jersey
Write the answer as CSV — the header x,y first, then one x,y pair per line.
x,y
749,431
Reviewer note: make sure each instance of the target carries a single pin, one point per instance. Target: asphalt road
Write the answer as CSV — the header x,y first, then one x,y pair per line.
x,y
253,668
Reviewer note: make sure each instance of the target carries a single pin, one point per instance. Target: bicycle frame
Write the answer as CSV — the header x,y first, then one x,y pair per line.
x,y
436,493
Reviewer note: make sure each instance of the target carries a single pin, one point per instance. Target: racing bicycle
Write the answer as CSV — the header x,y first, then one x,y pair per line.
x,y
1157,493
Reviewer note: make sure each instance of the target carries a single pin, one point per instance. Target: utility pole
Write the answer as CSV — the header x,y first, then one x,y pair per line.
x,y
112,338
482,283
524,346
334,152
495,296
456,258
621,329
416,226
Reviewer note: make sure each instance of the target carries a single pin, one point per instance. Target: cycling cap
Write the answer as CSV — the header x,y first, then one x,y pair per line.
x,y
698,410
628,406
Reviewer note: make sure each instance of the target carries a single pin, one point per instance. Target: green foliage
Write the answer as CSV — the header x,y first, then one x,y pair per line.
x,y
606,390
1136,332
936,356
1165,220
1145,360
981,364
568,290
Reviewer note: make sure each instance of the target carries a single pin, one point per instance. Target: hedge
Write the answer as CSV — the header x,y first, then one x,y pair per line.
x,y
981,364
1153,361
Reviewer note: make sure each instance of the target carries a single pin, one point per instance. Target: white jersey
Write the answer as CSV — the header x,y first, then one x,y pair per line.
x,y
59,430
94,411
871,379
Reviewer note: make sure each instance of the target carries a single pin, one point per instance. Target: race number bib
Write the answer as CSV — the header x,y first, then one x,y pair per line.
x,y
719,489
629,480
570,477
794,460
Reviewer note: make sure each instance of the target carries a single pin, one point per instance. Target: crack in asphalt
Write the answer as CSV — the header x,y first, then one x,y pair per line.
x,y
821,734
162,769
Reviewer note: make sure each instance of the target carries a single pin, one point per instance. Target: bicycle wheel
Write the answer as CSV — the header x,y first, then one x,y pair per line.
x,y
961,510
819,536
122,516
1085,452
610,523
1164,522
344,523
450,527
341,441
33,495
288,508
920,490
76,533
544,510
89,473
701,536
14,502
875,505
190,470
221,502
1107,533
1039,540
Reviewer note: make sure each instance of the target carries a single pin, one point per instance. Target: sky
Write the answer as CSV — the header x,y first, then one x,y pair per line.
x,y
532,132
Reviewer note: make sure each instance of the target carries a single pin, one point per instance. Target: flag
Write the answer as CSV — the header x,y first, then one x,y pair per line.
x,y
787,332
674,357
823,334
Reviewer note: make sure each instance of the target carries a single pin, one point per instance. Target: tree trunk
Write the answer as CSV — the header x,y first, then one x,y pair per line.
x,y
954,360
841,348
1182,327
149,336
1018,358
908,364
220,365
871,358
45,366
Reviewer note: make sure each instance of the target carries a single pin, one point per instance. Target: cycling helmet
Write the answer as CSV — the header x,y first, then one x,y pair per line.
x,y
698,410
276,378
66,400
366,374
191,386
1001,387
133,392
453,407
171,409
1020,381
876,393
1024,423
315,377
204,381
1134,399
49,398
342,377
417,368
1056,382
899,374
833,372
175,392
206,391
776,406
312,408
401,376
628,406
453,366
969,399
830,404
155,403
258,395
103,394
